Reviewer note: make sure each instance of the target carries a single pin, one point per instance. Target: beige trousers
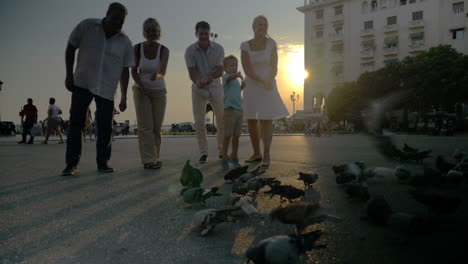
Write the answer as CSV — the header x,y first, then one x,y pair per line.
x,y
150,111
199,114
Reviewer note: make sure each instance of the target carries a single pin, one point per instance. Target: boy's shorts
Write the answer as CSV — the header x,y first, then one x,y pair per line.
x,y
232,122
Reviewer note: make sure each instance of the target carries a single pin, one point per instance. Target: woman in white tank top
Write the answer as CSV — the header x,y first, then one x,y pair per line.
x,y
149,92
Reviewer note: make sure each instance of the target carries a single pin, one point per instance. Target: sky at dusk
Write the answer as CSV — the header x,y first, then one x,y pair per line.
x,y
34,36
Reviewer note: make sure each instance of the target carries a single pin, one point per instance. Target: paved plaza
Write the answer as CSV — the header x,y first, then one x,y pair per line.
x,y
137,216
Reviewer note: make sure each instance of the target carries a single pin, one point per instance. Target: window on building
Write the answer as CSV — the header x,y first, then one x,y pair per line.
x,y
337,69
403,2
391,42
417,15
337,48
392,3
417,36
458,33
412,1
390,61
391,20
368,44
339,30
374,6
319,51
459,8
369,24
367,66
338,10
365,7
319,34
319,14
383,4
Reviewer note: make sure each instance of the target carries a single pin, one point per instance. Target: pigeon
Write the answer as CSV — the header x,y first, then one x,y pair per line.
x,y
246,205
443,165
199,195
233,174
302,215
239,188
436,201
283,249
348,172
377,172
308,178
357,190
454,176
285,191
416,156
406,223
409,149
378,210
255,184
458,155
191,177
206,220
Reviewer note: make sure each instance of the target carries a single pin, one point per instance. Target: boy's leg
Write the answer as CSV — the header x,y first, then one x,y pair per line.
x,y
236,133
218,107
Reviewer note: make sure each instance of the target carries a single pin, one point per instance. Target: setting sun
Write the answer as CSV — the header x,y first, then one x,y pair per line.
x,y
294,57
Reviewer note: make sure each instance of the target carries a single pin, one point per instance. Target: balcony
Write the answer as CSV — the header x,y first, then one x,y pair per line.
x,y
338,78
416,23
316,40
417,45
317,22
367,53
391,28
367,32
336,37
337,18
336,56
390,51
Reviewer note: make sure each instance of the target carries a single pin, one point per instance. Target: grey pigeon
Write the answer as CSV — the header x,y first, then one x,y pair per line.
x,y
308,178
283,249
378,210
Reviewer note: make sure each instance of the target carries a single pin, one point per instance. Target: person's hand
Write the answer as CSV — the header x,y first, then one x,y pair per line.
x,y
239,75
70,83
243,84
201,84
123,104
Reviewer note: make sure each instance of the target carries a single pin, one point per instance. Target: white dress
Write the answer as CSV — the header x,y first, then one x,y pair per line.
x,y
259,103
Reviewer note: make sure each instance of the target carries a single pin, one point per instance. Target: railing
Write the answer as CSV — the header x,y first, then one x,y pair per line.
x,y
367,32
416,23
391,28
368,53
417,45
336,37
390,50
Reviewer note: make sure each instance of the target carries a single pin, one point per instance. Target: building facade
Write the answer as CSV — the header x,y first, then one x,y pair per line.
x,y
344,38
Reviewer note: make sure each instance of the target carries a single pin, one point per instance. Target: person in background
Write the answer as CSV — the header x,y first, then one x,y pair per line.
x,y
105,54
204,60
53,121
88,130
29,114
232,110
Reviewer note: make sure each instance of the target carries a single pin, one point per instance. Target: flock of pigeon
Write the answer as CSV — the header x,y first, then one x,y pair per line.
x,y
246,185
435,185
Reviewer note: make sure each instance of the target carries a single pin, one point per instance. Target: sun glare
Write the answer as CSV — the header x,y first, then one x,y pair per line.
x,y
295,66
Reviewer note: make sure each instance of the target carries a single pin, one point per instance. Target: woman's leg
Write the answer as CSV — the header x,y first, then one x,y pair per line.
x,y
254,138
159,109
59,133
143,109
47,135
267,136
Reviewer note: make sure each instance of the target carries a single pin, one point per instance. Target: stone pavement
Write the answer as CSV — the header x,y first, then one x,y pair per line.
x,y
137,216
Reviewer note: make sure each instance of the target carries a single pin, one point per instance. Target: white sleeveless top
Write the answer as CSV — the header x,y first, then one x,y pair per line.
x,y
148,70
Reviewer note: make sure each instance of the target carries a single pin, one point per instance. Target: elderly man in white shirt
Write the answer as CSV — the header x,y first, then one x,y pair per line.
x,y
204,61
105,54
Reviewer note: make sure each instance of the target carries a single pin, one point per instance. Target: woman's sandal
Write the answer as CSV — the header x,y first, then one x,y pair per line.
x,y
254,160
152,166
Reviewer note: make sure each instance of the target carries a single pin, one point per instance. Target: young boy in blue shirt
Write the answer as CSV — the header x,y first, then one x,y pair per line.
x,y
233,114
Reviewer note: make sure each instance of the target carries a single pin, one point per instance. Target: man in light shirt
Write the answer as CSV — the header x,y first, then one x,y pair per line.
x,y
204,60
105,54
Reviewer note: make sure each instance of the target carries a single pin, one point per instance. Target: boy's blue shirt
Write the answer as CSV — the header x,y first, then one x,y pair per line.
x,y
232,93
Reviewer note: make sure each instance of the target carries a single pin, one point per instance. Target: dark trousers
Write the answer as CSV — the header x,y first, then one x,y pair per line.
x,y
27,125
81,99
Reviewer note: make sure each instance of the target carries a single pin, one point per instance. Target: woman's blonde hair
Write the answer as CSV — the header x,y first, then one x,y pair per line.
x,y
151,23
255,22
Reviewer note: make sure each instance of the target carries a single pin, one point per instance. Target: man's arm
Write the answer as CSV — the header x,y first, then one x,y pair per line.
x,y
123,88
195,76
69,62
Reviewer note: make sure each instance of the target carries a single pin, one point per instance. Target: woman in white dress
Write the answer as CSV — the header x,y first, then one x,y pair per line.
x,y
262,102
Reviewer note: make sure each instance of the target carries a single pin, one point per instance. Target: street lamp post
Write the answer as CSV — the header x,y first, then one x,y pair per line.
x,y
294,98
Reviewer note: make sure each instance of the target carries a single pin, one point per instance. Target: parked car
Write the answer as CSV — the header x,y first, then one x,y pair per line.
x,y
7,128
186,127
